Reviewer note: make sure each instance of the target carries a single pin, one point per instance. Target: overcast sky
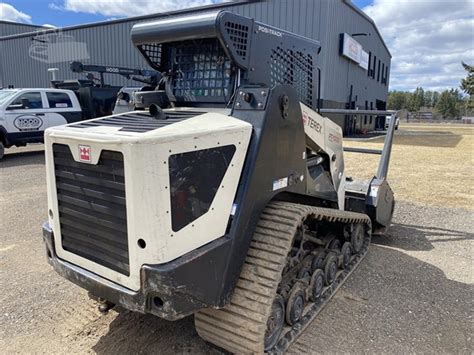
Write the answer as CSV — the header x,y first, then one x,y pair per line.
x,y
427,38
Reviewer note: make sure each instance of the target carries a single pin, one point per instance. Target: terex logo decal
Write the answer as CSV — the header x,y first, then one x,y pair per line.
x,y
85,153
312,123
333,138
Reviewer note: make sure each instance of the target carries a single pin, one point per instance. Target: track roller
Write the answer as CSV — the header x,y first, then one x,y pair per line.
x,y
346,253
334,244
330,269
318,261
304,273
275,322
357,237
316,285
295,304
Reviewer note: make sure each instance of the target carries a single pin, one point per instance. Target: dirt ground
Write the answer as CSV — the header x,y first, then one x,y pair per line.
x,y
412,293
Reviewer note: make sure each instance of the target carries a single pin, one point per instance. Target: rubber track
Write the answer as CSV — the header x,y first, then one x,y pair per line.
x,y
240,327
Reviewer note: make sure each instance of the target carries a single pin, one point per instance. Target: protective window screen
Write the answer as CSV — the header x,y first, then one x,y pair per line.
x,y
294,68
239,36
152,52
195,178
202,71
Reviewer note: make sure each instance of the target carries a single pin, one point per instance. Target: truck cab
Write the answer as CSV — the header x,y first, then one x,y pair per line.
x,y
388,119
26,113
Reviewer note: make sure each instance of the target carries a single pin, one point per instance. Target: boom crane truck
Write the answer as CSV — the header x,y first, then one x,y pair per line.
x,y
229,201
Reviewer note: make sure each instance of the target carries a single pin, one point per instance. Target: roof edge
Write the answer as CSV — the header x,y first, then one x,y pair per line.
x,y
134,18
21,24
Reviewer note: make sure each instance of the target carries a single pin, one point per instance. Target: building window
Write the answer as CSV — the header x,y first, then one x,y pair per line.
x,y
370,122
373,67
369,67
366,107
383,71
386,75
378,72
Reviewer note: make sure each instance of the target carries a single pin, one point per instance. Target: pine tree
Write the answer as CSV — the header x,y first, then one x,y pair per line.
x,y
417,100
447,104
467,84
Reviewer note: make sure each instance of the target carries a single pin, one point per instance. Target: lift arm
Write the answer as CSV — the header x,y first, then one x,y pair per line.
x,y
150,77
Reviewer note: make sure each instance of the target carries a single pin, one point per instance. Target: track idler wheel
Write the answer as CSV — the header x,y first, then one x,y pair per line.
x,y
295,304
316,285
275,322
346,253
330,269
357,237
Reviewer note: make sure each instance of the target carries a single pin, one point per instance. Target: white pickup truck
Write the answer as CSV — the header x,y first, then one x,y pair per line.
x,y
388,119
26,113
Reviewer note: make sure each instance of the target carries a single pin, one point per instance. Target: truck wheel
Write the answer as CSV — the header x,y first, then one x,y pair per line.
x,y
2,150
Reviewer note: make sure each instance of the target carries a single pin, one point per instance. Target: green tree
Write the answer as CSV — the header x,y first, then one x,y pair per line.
x,y
397,100
417,100
467,84
428,99
448,103
434,99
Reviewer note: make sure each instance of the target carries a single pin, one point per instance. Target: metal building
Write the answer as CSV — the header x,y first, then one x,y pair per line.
x,y
354,60
8,28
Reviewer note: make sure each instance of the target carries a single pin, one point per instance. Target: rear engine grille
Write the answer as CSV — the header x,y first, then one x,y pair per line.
x,y
92,208
138,122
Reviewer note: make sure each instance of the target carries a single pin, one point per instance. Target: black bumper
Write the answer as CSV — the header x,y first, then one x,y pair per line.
x,y
171,291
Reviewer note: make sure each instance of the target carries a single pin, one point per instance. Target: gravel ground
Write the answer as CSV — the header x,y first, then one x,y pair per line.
x,y
412,293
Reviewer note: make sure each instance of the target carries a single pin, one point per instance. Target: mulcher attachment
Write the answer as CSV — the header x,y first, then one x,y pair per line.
x,y
298,258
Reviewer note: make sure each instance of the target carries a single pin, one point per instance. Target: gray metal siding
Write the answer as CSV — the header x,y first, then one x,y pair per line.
x,y
324,20
13,28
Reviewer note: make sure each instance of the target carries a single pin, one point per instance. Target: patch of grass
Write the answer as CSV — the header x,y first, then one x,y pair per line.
x,y
431,164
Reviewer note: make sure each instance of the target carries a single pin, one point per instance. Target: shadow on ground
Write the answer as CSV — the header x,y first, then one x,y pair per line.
x,y
441,139
419,238
20,157
419,307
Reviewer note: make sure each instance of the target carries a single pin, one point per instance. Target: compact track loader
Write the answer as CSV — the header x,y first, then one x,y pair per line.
x,y
226,199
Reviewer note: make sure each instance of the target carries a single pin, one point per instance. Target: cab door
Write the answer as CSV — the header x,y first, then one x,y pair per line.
x,y
25,116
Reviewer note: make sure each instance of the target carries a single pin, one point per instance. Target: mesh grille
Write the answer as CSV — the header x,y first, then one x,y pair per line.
x,y
153,52
138,122
239,36
203,70
293,68
92,208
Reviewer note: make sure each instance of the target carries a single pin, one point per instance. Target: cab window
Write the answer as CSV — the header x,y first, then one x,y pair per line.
x,y
58,100
34,100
